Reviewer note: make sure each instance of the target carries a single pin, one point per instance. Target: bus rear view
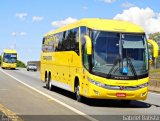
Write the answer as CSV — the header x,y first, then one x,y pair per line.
x,y
9,59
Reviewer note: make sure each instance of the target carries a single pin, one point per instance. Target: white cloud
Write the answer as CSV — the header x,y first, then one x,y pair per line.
x,y
85,8
108,1
63,22
37,18
21,16
18,33
146,18
127,5
14,34
22,33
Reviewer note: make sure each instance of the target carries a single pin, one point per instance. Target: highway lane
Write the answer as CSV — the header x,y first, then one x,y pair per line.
x,y
31,105
98,109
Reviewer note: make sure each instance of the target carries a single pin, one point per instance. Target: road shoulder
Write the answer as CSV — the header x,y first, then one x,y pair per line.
x,y
8,115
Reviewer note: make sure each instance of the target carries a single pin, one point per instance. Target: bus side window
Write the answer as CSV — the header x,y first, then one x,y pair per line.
x,y
67,40
43,41
73,40
43,45
51,44
64,40
60,38
76,40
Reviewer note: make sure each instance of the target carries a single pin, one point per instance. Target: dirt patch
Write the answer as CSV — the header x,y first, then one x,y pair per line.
x,y
7,115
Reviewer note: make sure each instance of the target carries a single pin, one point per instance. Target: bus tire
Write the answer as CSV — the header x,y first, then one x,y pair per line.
x,y
50,87
77,92
46,81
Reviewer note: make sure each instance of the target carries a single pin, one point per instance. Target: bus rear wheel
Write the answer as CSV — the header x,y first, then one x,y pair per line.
x,y
49,84
46,81
77,92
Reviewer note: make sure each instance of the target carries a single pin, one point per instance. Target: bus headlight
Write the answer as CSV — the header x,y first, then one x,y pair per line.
x,y
112,87
96,83
143,85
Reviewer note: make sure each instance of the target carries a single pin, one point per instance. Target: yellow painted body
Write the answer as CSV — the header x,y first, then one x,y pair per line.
x,y
65,66
8,65
140,94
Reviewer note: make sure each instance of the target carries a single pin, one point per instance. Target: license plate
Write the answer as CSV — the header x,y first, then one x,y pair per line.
x,y
121,94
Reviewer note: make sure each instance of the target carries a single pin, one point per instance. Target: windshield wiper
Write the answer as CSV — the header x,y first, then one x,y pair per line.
x,y
114,65
132,67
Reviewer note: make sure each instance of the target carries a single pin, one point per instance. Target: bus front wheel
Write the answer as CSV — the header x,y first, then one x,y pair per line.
x,y
77,92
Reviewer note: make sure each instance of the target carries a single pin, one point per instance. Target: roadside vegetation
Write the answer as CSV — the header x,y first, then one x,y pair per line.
x,y
155,74
152,71
20,64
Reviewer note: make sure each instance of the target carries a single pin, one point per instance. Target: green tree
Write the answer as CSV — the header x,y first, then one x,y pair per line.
x,y
155,36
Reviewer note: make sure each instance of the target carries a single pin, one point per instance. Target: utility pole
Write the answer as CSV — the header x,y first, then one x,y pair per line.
x,y
155,63
15,41
14,34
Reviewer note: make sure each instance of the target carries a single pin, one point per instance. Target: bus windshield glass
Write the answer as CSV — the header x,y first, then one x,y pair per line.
x,y
118,54
10,58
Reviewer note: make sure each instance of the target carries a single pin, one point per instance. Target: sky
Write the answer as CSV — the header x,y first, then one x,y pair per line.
x,y
24,22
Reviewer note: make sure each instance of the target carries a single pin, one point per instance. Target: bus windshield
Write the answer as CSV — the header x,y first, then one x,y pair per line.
x,y
10,58
119,55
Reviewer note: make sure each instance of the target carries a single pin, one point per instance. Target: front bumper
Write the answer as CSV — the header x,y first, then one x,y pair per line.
x,y
7,65
102,93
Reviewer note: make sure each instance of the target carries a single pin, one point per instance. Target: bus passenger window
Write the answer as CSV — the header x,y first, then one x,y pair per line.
x,y
76,40
43,41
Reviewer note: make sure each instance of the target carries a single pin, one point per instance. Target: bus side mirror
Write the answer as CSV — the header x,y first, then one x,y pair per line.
x,y
155,47
88,45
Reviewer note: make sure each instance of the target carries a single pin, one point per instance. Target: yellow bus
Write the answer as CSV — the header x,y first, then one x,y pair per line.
x,y
9,59
97,58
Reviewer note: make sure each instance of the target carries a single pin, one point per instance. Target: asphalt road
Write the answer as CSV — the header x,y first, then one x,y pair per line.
x,y
24,93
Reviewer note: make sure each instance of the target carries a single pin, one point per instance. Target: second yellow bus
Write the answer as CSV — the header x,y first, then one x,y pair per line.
x,y
9,59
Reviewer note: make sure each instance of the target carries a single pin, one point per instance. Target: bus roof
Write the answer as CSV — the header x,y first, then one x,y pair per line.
x,y
9,51
103,25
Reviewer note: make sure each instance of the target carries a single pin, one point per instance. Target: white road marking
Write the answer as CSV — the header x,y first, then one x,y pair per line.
x,y
48,96
3,89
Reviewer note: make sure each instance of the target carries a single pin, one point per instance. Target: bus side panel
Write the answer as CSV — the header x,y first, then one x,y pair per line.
x,y
61,69
58,66
76,70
